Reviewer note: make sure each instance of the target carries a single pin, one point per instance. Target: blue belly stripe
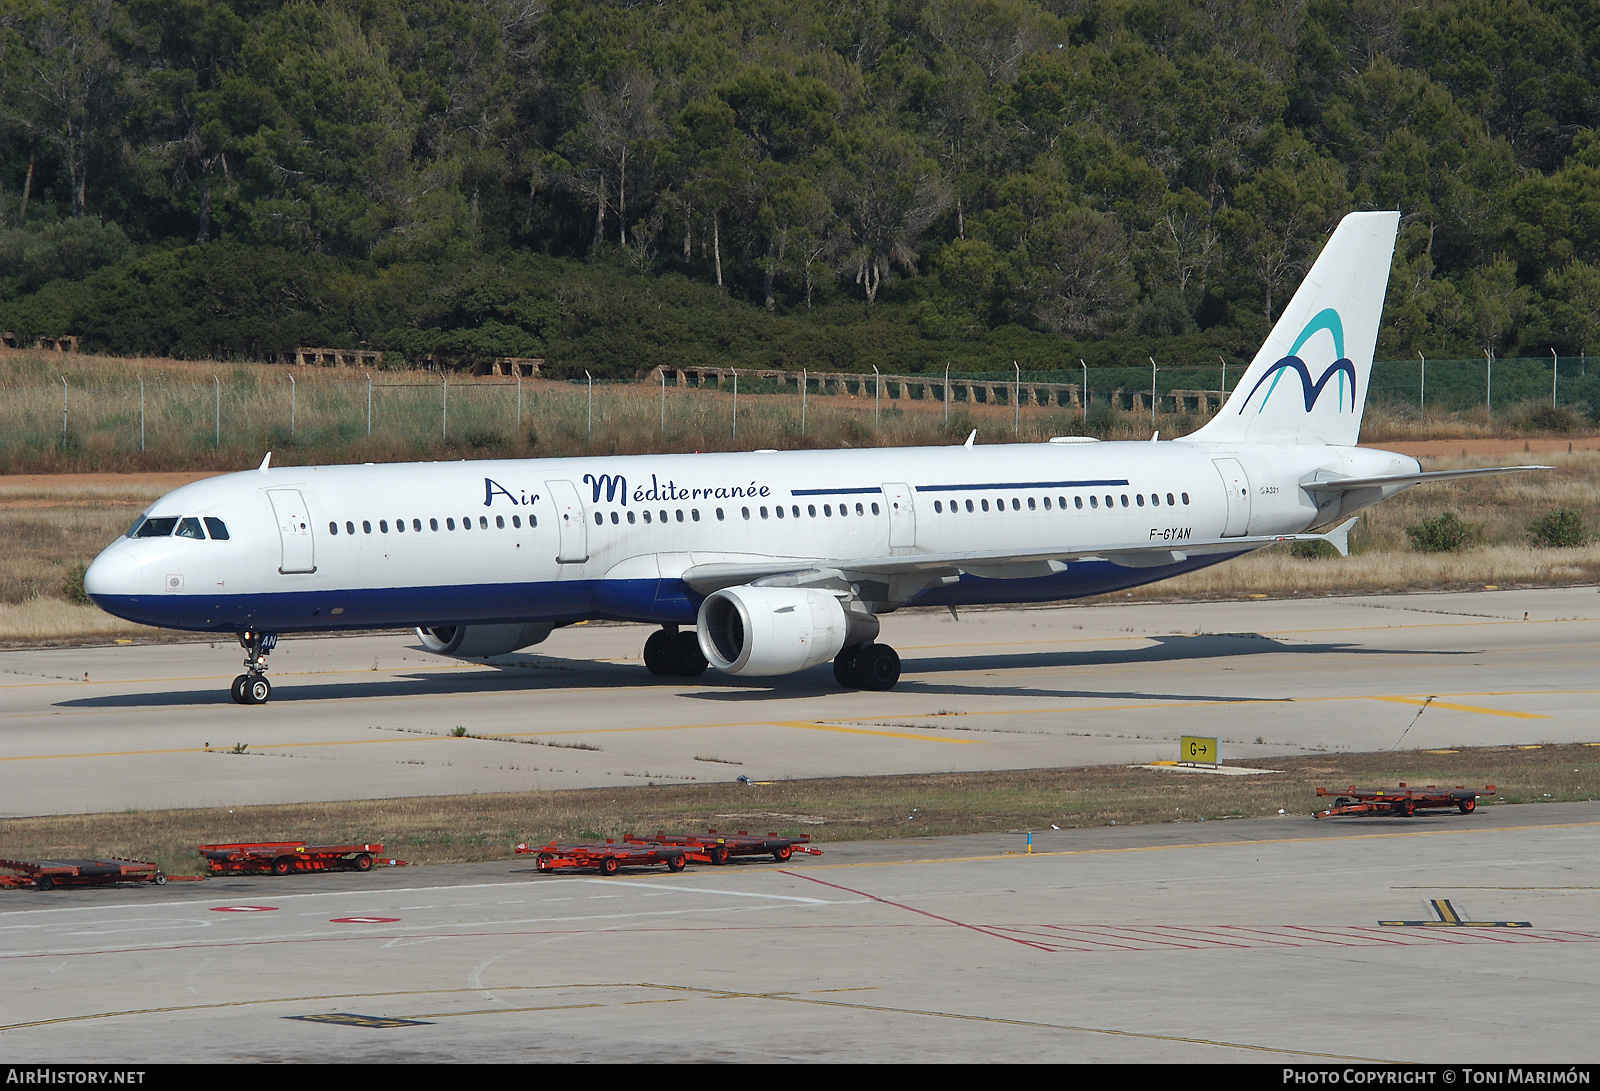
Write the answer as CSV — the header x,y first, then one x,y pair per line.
x,y
563,602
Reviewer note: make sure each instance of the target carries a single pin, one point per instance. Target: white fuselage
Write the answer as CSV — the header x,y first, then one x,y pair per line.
x,y
561,540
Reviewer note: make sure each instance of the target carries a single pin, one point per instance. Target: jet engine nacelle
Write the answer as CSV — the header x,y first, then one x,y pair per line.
x,y
482,641
776,630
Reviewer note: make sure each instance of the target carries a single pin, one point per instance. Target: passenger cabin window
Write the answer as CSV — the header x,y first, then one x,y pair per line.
x,y
450,524
366,527
516,521
1138,496
501,522
1185,498
333,528
189,527
383,526
400,526
433,524
349,527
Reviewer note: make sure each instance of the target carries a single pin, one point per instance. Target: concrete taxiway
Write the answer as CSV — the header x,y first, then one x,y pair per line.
x,y
108,728
1253,940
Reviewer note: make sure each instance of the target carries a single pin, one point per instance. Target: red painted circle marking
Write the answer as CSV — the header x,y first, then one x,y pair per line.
x,y
362,920
244,909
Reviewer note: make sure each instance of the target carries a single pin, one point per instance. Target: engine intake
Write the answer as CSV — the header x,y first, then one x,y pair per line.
x,y
482,641
777,630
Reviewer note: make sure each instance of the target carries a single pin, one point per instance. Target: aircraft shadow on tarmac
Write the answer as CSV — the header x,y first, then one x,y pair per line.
x,y
530,672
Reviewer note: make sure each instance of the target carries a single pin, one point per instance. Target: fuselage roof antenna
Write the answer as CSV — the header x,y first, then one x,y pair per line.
x,y
264,462
970,438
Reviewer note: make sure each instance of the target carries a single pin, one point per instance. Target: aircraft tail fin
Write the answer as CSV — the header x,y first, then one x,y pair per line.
x,y
1308,383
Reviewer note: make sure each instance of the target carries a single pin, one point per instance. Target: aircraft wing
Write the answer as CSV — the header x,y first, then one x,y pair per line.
x,y
995,564
1347,484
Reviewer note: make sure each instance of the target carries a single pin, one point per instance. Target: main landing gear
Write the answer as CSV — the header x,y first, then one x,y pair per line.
x,y
674,654
867,666
252,687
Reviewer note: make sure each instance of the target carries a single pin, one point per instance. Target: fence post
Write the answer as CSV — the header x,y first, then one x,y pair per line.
x,y
518,369
947,394
1016,402
590,378
1422,394
661,371
63,411
1555,365
1152,391
444,406
735,401
291,405
1223,393
218,383
804,382
1488,381
877,388
141,412
369,403
1085,387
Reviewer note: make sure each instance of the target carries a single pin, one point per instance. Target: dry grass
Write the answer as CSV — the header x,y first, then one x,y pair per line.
x,y
455,829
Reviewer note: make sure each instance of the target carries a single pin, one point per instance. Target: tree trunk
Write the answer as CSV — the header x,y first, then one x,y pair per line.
x,y
204,232
622,198
688,223
716,246
27,188
600,214
767,279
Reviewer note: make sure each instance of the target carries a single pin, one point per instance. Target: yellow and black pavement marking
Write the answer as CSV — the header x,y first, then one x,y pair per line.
x,y
1450,918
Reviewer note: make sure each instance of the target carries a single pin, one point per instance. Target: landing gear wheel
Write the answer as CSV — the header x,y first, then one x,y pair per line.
x,y
675,863
283,865
608,865
257,691
844,666
238,689
687,657
658,653
782,853
877,667
719,855
363,862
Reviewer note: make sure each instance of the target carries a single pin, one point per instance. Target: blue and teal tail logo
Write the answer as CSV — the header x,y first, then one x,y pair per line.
x,y
1326,320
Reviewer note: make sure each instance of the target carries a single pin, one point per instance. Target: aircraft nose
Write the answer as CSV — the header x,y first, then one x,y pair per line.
x,y
115,573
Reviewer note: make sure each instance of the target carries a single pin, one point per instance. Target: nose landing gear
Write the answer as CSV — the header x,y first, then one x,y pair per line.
x,y
252,687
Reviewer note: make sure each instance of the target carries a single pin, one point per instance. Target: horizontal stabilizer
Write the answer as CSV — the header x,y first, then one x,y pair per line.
x,y
1347,484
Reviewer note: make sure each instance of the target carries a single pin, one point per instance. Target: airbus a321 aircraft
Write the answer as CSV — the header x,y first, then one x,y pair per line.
x,y
766,563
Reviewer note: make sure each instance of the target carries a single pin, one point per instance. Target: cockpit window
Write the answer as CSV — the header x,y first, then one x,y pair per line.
x,y
156,528
218,529
189,527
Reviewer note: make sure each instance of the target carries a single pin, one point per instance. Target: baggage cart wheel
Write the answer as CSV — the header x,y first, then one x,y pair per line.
x,y
160,879
675,863
283,865
608,865
1408,808
44,882
782,853
719,855
1467,806
363,862
544,861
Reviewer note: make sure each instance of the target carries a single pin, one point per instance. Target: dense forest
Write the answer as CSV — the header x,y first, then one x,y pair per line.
x,y
823,183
